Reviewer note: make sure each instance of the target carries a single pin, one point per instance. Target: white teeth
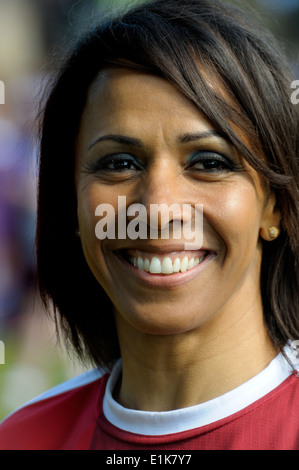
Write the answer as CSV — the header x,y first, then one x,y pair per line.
x,y
176,265
140,263
184,264
155,266
167,266
146,265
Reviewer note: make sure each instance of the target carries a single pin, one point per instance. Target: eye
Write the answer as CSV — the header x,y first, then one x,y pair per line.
x,y
211,162
119,162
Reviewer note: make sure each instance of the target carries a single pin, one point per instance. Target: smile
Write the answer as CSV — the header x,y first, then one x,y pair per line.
x,y
162,263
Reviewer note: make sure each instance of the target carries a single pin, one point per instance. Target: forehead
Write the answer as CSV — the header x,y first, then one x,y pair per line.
x,y
124,87
130,102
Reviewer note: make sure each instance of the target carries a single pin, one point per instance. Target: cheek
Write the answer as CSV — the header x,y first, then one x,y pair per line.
x,y
88,199
91,198
240,208
236,215
87,203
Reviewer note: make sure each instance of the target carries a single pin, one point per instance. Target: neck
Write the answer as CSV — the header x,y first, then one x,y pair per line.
x,y
162,373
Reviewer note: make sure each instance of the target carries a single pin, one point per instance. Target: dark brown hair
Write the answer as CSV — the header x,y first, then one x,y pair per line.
x,y
182,41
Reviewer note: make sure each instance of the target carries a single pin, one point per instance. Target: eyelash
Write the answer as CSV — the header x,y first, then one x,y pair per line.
x,y
224,164
102,164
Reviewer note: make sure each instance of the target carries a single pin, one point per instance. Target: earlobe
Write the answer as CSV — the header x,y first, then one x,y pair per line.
x,y
270,228
269,233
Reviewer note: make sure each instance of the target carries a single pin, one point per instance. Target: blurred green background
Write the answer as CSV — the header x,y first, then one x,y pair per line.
x,y
34,35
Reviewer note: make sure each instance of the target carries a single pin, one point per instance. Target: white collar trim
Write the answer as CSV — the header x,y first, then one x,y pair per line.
x,y
169,422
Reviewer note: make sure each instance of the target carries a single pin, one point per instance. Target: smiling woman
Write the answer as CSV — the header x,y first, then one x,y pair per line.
x,y
176,103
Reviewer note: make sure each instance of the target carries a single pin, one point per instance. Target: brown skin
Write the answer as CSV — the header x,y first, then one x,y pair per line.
x,y
182,342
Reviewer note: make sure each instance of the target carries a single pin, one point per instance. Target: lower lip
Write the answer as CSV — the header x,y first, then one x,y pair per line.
x,y
166,280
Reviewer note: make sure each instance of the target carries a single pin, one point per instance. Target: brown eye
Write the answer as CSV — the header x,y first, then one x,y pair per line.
x,y
210,165
117,163
120,165
211,162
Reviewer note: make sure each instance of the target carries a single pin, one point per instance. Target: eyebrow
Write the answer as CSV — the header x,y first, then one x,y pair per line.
x,y
132,141
191,137
121,139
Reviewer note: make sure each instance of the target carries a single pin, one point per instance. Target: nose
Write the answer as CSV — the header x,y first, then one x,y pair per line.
x,y
162,196
161,185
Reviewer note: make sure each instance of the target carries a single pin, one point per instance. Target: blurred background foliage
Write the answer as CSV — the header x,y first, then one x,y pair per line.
x,y
34,36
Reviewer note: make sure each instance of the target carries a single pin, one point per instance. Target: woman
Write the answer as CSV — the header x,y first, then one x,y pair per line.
x,y
183,102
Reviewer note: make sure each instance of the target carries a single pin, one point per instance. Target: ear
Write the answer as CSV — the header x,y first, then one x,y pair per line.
x,y
270,223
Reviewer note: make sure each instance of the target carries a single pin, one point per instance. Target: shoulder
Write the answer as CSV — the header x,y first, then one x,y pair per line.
x,y
62,417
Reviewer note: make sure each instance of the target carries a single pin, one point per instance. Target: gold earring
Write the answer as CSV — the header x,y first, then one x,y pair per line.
x,y
273,232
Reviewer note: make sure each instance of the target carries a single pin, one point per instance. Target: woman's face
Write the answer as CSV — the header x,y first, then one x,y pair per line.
x,y
141,139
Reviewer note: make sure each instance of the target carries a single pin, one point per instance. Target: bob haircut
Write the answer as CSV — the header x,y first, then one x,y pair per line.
x,y
184,41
